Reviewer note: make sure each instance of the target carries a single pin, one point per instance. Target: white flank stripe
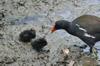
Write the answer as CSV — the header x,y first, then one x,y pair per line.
x,y
81,28
85,34
88,35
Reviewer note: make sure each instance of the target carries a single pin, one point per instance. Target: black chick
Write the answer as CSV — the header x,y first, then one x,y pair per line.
x,y
27,35
38,44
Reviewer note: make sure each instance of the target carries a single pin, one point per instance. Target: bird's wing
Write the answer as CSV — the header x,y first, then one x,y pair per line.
x,y
89,23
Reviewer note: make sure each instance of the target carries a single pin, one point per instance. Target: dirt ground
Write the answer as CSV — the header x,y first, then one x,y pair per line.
x,y
19,15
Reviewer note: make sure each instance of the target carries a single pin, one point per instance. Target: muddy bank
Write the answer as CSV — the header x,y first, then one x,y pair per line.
x,y
19,15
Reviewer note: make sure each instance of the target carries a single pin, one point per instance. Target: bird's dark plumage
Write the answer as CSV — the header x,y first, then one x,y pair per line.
x,y
38,44
86,27
27,35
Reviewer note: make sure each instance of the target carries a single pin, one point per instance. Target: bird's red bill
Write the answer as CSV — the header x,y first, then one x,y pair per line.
x,y
53,29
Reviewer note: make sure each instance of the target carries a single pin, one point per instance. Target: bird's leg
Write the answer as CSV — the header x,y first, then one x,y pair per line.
x,y
91,49
93,52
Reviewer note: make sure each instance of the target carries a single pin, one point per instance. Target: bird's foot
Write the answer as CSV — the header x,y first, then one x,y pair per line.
x,y
94,53
81,47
